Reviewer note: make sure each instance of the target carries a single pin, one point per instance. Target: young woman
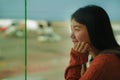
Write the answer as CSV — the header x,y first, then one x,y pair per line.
x,y
92,35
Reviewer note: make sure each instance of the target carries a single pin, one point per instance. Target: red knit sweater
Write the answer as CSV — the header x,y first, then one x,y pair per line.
x,y
103,67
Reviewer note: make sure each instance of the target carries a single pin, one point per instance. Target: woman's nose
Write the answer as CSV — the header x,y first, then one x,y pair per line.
x,y
72,35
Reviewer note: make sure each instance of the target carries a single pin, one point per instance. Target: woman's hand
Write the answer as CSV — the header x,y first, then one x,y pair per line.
x,y
81,47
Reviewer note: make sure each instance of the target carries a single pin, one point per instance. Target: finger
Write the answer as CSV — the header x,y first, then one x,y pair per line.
x,y
75,47
78,46
81,47
85,49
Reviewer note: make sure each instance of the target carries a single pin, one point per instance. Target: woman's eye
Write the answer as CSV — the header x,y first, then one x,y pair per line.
x,y
77,29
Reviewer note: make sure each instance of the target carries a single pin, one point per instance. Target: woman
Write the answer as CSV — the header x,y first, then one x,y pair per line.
x,y
92,35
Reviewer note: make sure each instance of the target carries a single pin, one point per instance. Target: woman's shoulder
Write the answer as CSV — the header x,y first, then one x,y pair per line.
x,y
102,59
106,63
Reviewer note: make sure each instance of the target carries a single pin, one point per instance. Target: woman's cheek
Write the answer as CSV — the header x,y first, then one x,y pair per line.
x,y
82,37
79,37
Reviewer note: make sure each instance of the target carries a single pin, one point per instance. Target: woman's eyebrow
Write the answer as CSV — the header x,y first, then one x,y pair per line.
x,y
77,26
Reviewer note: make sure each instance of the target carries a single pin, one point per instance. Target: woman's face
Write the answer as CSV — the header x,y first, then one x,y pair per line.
x,y
79,32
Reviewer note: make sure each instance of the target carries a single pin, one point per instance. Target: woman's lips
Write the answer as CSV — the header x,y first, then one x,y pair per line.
x,y
74,41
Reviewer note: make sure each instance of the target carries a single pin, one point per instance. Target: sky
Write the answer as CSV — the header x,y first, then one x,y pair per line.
x,y
54,9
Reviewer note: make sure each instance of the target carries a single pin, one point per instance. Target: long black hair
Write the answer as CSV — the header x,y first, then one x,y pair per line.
x,y
98,25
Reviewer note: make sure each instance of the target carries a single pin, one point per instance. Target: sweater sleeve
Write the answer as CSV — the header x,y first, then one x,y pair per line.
x,y
73,71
